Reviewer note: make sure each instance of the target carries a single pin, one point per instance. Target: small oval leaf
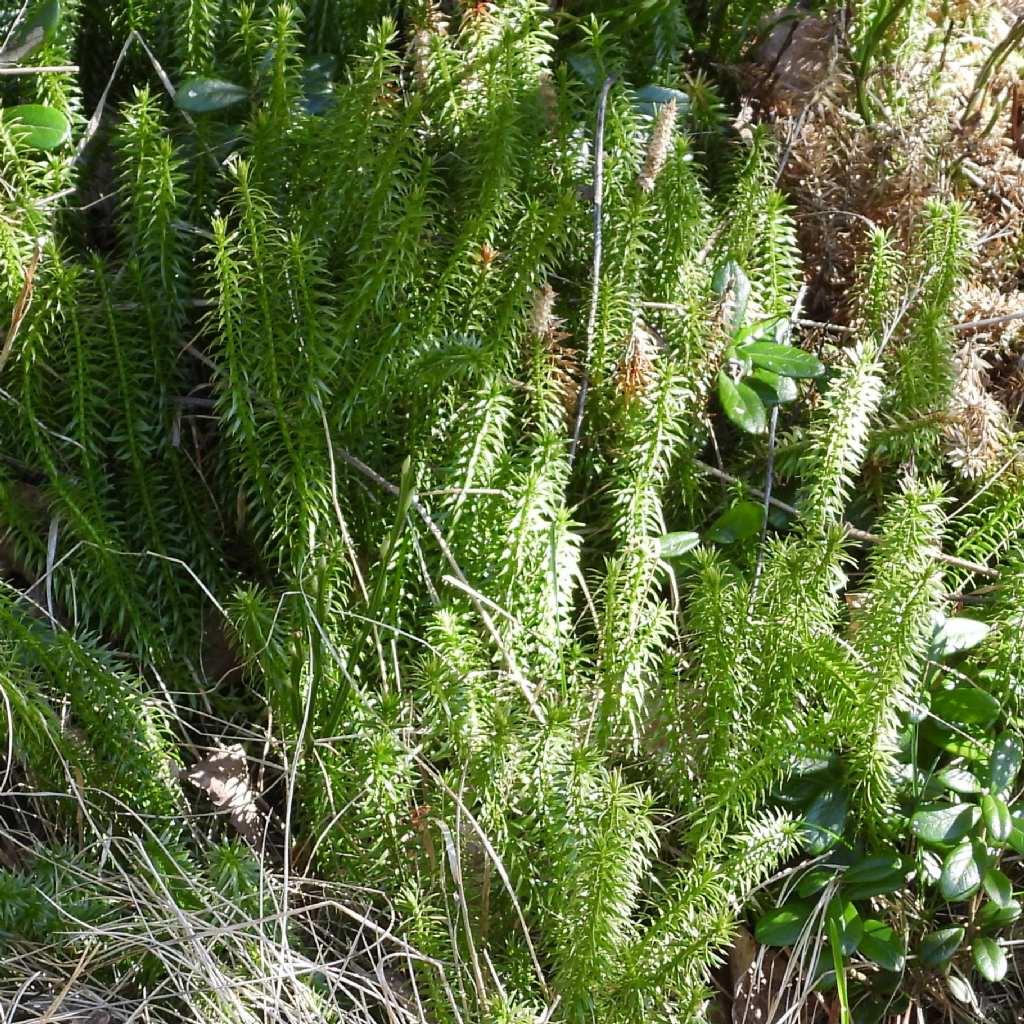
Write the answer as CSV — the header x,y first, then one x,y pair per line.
x,y
1005,762
882,946
960,780
955,634
741,522
772,388
814,881
989,958
782,926
32,34
965,705
960,989
930,865
199,95
938,946
996,816
674,545
875,876
992,915
1016,840
825,819
998,887
648,98
871,869
741,404
784,359
732,286
755,332
849,928
945,823
961,871
37,126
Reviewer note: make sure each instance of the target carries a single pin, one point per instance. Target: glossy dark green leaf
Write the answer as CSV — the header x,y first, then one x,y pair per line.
x,y
962,870
954,635
37,126
891,883
954,740
849,928
782,926
648,98
749,333
989,958
200,95
870,869
998,887
732,286
800,791
993,915
996,816
938,946
814,881
36,29
929,864
772,388
875,876
741,404
317,94
960,780
675,545
741,522
1016,839
881,945
317,103
784,359
1005,762
817,767
825,819
944,823
965,705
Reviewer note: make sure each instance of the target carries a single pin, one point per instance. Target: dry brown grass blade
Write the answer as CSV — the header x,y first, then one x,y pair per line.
x,y
21,306
66,988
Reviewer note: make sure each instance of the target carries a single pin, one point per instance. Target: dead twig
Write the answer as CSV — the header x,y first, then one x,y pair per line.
x,y
48,69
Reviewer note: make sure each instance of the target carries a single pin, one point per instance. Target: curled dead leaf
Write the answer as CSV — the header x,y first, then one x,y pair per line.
x,y
224,778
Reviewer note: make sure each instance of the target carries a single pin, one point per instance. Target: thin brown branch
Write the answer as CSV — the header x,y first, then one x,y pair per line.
x,y
21,306
47,69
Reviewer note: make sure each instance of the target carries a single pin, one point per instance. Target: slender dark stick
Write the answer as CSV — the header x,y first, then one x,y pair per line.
x,y
595,284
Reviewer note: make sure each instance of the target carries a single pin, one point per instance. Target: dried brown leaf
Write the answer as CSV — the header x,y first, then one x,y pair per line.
x,y
224,778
